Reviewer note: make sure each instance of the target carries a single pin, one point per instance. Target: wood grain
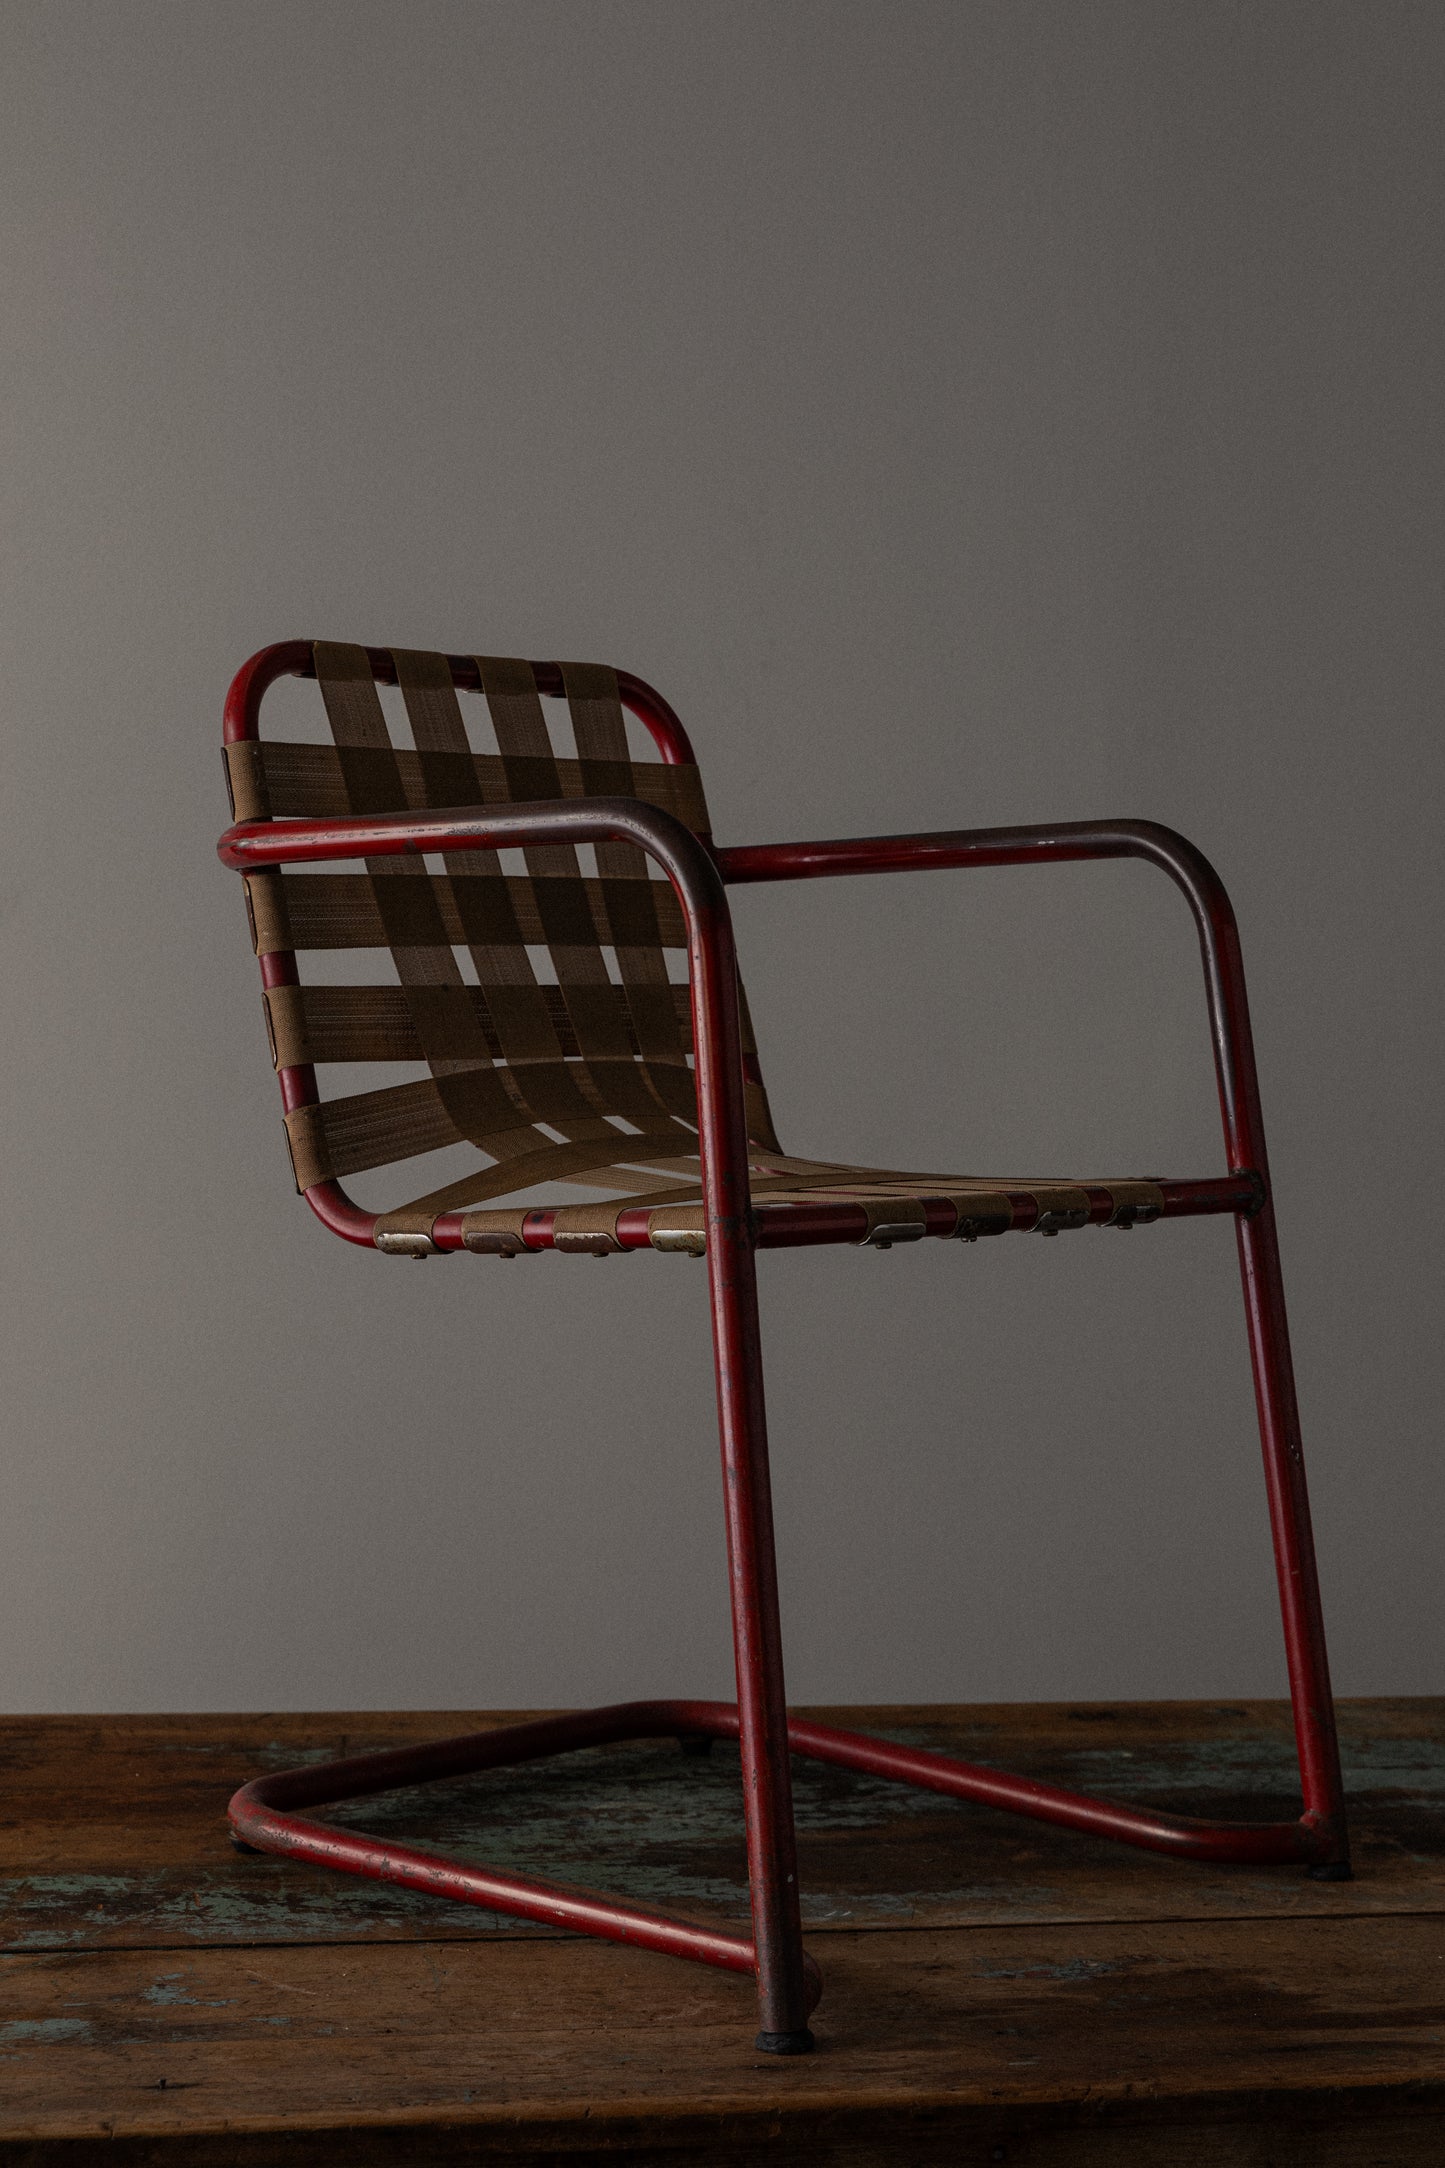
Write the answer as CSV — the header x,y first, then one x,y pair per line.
x,y
1158,2014
114,1831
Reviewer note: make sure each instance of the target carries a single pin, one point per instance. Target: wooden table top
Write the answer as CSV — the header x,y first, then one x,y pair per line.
x,y
994,1989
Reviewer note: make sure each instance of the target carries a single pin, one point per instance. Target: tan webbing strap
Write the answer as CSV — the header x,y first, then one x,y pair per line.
x,y
518,1009
755,1096
367,1129
601,734
276,777
598,1011
338,910
555,876
888,1201
374,1023
558,1163
246,781
600,730
473,1093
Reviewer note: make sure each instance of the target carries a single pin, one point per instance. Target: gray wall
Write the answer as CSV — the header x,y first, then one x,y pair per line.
x,y
965,412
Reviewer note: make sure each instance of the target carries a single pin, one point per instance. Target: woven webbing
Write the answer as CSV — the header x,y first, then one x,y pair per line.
x,y
546,1081
890,1201
584,1080
269,778
338,911
373,1023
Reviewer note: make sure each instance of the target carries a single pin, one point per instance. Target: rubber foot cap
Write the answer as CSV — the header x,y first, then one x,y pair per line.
x,y
789,2043
252,1851
1332,1870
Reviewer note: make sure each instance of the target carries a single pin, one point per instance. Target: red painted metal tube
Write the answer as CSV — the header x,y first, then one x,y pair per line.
x,y
553,1904
810,1226
972,847
298,841
254,679
1290,1528
293,658
747,1492
717,1043
1237,1078
502,1746
264,1814
1257,1843
790,1226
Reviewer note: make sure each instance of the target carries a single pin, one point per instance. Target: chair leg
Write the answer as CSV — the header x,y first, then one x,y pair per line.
x,y
784,2000
1294,1551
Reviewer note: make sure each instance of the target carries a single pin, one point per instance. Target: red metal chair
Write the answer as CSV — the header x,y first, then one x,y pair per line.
x,y
651,1093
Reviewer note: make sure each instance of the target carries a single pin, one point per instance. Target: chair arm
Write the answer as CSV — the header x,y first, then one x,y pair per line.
x,y
1186,866
249,845
712,960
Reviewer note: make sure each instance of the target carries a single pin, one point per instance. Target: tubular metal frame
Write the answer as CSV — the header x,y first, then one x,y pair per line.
x,y
264,1814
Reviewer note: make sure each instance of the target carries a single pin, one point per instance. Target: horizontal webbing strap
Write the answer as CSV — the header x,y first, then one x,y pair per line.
x,y
340,911
338,1137
549,1069
270,778
376,1023
369,1129
559,1163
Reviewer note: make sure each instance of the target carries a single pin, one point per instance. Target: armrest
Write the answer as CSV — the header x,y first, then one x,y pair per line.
x,y
253,844
712,959
1186,866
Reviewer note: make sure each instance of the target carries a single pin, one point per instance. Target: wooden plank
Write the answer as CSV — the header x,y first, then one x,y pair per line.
x,y
113,1830
1229,2042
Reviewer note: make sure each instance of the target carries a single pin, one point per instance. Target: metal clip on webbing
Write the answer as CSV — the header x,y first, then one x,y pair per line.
x,y
684,1241
579,1245
971,1226
884,1233
417,1246
1132,1215
489,1243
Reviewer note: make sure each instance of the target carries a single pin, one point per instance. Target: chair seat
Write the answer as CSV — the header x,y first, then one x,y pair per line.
x,y
664,1209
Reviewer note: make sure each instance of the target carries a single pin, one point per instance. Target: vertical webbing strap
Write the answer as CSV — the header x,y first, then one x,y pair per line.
x,y
444,1017
554,1089
597,1010
601,733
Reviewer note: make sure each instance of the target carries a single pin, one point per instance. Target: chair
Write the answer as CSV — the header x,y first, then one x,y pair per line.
x,y
651,1094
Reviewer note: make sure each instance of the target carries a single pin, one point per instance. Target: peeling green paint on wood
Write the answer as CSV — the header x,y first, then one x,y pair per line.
x,y
147,1863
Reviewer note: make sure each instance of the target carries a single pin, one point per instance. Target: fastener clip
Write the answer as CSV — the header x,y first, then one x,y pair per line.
x,y
686,1241
884,1233
1133,1215
417,1246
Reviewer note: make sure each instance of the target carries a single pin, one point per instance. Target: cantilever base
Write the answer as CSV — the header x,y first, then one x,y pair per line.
x,y
264,1818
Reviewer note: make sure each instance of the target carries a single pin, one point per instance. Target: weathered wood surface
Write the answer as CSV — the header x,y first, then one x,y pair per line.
x,y
545,2045
112,1831
994,1990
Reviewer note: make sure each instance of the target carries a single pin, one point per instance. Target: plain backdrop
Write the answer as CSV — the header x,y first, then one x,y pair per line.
x,y
970,412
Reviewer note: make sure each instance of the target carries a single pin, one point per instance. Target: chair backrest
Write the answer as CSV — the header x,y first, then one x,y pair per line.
x,y
550,1077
